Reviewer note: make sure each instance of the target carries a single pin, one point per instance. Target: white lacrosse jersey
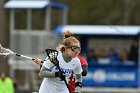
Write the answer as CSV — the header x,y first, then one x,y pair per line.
x,y
56,85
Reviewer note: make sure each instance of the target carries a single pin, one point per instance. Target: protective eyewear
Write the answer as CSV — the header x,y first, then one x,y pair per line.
x,y
73,48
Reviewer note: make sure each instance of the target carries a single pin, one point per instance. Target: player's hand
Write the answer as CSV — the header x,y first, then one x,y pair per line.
x,y
77,89
61,75
38,61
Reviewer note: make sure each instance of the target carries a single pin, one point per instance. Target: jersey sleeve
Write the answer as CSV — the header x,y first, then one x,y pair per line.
x,y
48,64
78,69
83,61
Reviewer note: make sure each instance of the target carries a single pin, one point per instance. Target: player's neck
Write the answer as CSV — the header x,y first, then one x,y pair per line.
x,y
66,57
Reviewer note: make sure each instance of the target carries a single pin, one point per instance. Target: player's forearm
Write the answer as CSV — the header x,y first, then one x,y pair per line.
x,y
85,70
78,78
44,72
78,84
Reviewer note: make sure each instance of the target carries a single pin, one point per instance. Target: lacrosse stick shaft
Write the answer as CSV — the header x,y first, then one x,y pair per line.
x,y
24,56
6,52
52,54
27,57
64,79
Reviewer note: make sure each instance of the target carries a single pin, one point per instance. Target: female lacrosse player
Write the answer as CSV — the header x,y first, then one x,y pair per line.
x,y
68,62
71,82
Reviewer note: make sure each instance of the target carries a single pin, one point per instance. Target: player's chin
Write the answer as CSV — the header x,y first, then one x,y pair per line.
x,y
74,56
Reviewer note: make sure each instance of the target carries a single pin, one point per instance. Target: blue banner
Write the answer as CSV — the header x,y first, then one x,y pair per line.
x,y
126,76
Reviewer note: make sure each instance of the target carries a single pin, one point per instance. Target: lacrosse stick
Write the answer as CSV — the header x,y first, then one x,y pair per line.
x,y
52,54
7,52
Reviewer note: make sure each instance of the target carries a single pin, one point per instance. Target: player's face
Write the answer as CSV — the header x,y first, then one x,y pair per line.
x,y
74,49
3,75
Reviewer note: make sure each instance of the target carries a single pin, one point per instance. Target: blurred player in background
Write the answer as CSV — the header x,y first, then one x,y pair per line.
x,y
6,83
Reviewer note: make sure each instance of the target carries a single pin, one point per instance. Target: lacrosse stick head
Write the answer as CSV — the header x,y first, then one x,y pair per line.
x,y
52,55
5,52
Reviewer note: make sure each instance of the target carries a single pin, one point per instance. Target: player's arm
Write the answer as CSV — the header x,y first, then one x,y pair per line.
x,y
44,72
78,84
78,78
38,61
84,65
85,70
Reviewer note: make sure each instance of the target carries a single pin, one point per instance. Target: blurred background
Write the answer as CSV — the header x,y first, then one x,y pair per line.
x,y
107,29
